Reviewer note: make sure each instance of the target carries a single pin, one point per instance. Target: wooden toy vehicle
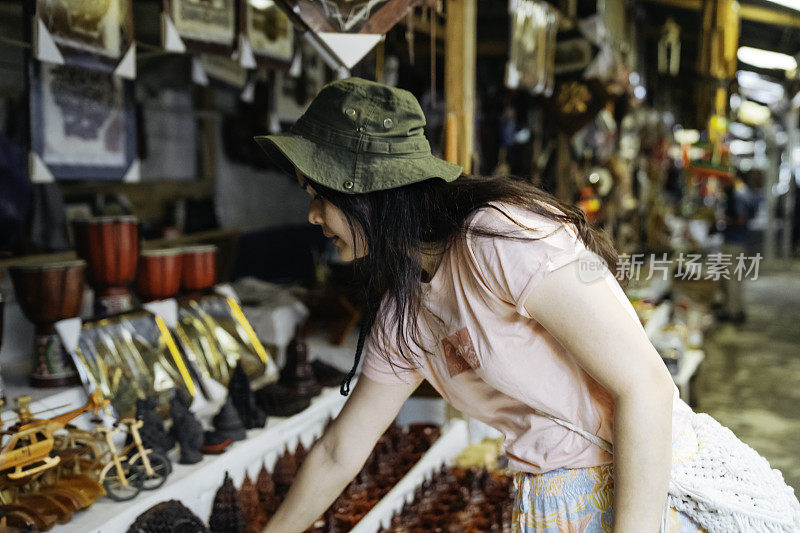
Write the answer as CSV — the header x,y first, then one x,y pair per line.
x,y
26,446
126,473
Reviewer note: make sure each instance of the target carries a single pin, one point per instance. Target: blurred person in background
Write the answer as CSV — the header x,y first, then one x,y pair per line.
x,y
740,208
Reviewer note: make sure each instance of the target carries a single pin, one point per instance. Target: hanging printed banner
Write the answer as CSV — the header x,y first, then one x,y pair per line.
x,y
95,35
82,125
199,26
349,28
266,35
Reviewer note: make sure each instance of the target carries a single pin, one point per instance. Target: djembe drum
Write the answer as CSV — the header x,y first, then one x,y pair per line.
x,y
47,293
110,246
159,274
199,271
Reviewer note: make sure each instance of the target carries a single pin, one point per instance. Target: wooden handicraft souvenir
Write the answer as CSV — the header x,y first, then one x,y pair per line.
x,y
153,434
227,515
227,424
186,429
170,516
199,269
297,373
47,293
255,515
244,401
266,491
133,468
26,452
110,246
158,275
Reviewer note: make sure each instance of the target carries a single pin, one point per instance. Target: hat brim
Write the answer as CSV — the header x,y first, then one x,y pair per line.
x,y
333,167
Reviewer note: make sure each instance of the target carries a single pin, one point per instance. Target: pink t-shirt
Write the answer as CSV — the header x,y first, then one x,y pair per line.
x,y
494,362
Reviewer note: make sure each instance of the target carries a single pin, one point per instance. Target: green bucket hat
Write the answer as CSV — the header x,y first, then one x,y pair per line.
x,y
358,136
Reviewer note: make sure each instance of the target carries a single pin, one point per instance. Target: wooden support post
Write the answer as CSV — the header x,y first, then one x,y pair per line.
x,y
459,74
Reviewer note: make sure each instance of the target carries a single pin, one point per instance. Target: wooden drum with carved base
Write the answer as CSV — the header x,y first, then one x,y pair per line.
x,y
49,292
110,246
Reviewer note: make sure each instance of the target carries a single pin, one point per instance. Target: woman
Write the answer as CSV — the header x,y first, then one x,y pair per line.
x,y
494,292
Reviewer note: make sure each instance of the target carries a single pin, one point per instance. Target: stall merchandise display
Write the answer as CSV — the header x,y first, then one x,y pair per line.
x,y
215,336
49,292
37,489
458,499
132,356
110,247
397,451
168,517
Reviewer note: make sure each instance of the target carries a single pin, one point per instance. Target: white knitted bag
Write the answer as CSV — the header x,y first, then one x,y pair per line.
x,y
725,486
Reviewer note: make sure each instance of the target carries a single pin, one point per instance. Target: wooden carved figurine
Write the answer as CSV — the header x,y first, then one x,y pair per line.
x,y
27,450
243,400
186,429
227,515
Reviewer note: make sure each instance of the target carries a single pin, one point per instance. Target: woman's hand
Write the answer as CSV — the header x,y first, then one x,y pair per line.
x,y
339,454
608,342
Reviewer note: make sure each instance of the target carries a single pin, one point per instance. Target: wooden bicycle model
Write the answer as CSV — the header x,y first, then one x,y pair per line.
x,y
134,467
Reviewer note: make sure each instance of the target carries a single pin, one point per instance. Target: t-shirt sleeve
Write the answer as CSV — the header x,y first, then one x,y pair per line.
x,y
377,365
512,268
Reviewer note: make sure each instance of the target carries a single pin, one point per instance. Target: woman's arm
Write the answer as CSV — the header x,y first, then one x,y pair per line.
x,y
339,454
594,326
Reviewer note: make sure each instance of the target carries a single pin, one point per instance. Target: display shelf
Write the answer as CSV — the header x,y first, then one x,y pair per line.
x,y
454,439
196,485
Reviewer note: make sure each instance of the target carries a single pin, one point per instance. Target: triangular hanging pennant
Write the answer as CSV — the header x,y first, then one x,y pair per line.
x,y
199,75
69,331
245,53
38,170
166,309
45,48
249,93
127,67
350,48
133,175
170,38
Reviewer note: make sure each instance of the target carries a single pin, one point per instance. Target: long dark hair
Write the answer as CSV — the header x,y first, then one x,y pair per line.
x,y
396,223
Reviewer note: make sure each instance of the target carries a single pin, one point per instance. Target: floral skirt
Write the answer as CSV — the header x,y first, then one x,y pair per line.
x,y
570,500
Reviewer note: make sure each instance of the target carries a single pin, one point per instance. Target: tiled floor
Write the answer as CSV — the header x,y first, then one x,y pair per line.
x,y
750,379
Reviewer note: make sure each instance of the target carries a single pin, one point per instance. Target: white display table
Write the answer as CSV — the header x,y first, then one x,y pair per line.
x,y
196,485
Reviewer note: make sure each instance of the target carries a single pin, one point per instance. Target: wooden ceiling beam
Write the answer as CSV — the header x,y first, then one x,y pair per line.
x,y
764,15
